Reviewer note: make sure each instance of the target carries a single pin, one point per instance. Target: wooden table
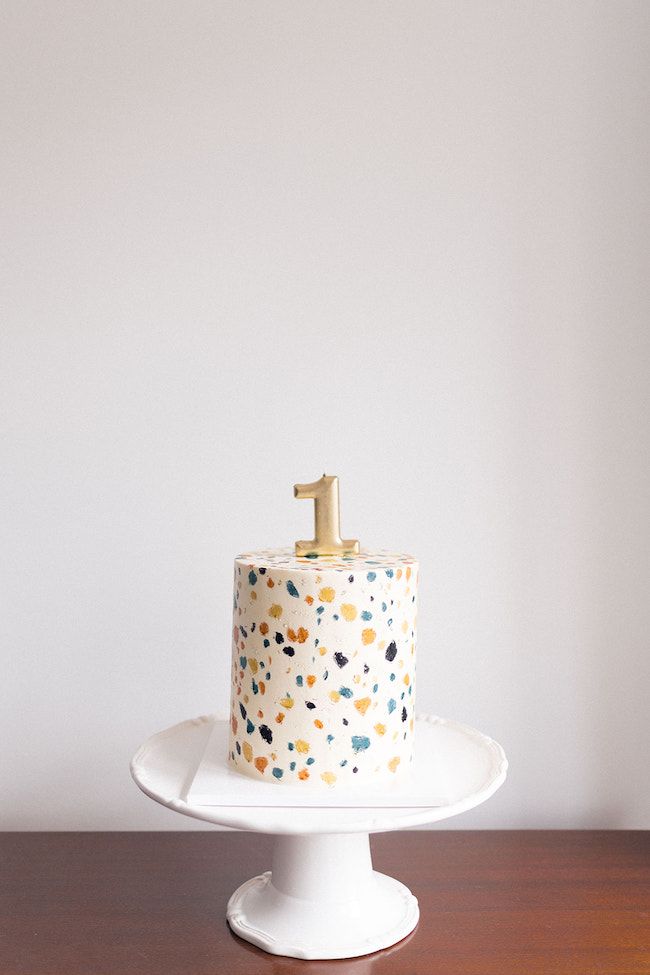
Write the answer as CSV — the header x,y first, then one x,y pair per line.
x,y
490,902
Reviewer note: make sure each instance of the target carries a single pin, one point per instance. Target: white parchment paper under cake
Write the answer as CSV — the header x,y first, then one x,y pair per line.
x,y
435,780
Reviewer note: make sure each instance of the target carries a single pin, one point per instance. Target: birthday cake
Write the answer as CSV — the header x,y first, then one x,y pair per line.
x,y
323,664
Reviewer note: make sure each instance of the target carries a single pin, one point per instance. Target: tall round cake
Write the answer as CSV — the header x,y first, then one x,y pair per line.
x,y
323,667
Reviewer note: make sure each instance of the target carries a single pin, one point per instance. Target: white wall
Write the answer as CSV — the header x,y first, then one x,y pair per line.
x,y
402,242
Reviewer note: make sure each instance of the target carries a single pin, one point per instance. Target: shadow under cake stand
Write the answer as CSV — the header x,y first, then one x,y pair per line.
x,y
321,898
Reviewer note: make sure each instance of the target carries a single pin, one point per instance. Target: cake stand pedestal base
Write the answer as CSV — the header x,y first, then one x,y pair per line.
x,y
322,899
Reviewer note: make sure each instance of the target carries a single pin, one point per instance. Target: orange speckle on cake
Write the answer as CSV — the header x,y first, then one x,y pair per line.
x,y
394,762
362,704
322,651
275,611
318,723
368,635
399,573
348,612
311,680
302,746
302,634
253,594
309,600
326,595
262,687
264,627
408,571
279,717
270,582
247,750
328,777
303,774
233,724
260,714
260,764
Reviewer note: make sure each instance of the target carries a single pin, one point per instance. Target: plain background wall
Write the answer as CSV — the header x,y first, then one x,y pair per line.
x,y
406,243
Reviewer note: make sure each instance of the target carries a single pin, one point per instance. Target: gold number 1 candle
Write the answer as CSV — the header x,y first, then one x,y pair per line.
x,y
327,533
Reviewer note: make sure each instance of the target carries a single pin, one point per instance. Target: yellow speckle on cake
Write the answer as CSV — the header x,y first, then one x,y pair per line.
x,y
407,679
286,702
326,595
380,728
275,611
348,612
328,777
394,762
368,635
252,663
322,651
335,696
247,750
405,626
362,704
300,636
302,746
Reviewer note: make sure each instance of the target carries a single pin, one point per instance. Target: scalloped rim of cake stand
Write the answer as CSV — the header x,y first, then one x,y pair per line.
x,y
165,763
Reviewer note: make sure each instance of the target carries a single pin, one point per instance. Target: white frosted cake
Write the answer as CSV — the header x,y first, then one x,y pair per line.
x,y
323,667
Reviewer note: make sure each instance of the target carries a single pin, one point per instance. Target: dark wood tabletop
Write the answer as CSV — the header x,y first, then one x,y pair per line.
x,y
490,902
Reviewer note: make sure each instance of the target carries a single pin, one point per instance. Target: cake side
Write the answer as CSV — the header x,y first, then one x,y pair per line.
x,y
323,667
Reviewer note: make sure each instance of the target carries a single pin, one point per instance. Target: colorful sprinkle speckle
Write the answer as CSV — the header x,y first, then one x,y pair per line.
x,y
360,743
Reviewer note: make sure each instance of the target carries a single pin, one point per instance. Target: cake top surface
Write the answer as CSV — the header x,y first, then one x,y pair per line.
x,y
285,558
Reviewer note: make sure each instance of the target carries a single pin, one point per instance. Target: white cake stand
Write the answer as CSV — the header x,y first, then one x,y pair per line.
x,y
321,898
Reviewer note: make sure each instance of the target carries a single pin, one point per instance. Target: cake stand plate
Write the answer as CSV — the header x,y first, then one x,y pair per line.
x,y
322,899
